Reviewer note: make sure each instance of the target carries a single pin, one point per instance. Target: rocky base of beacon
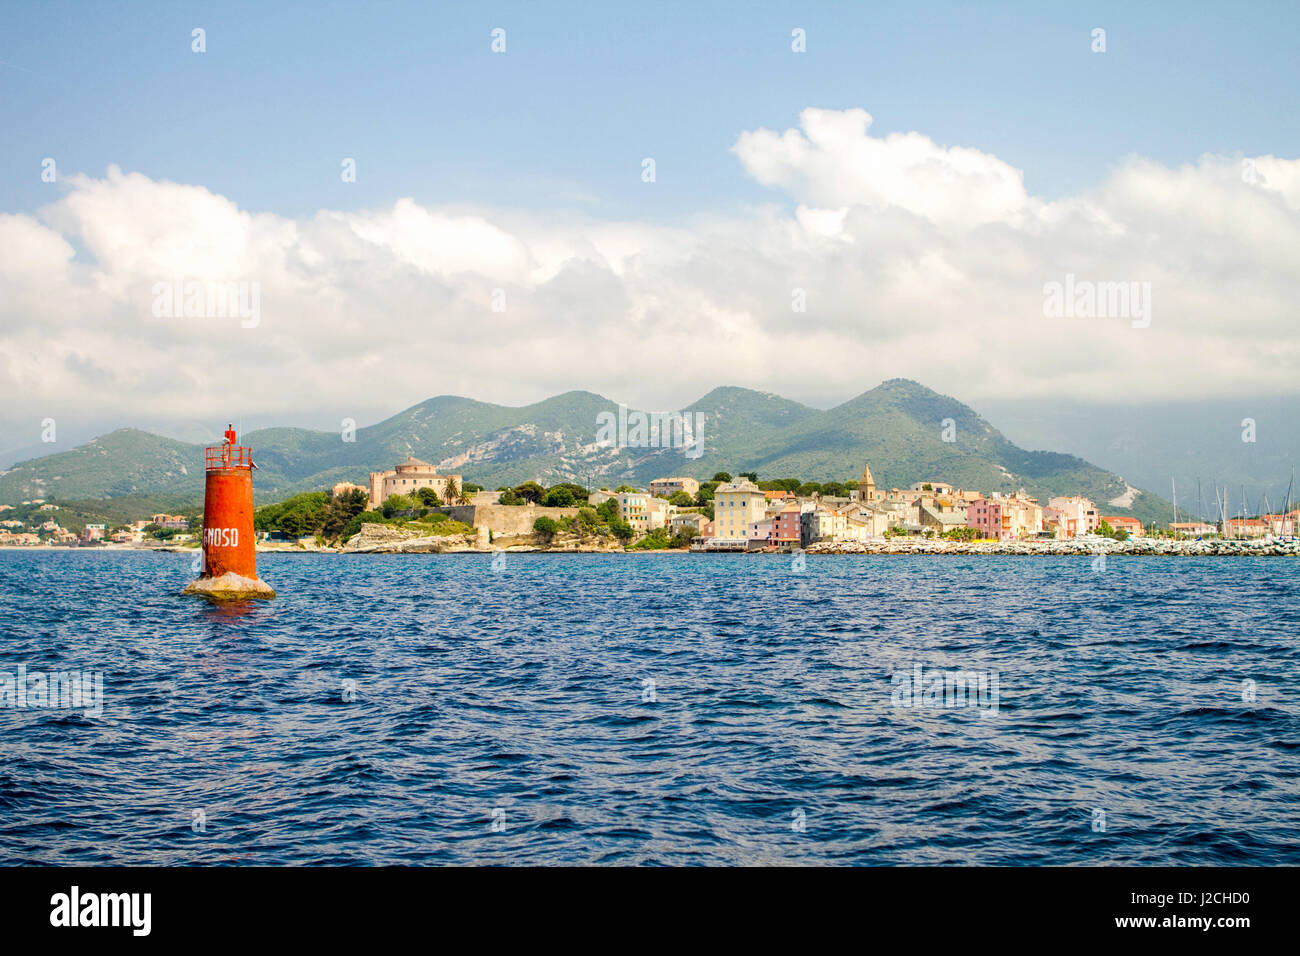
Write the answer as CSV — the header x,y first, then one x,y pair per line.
x,y
230,587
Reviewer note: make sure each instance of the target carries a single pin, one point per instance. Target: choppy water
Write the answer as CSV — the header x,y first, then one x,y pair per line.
x,y
505,716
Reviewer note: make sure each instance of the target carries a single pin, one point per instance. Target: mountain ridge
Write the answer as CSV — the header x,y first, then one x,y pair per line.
x,y
906,431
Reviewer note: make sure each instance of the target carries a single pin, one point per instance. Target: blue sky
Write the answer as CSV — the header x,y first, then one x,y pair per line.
x,y
563,119
517,177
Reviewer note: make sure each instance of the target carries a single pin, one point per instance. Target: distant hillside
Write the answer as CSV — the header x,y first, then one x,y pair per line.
x,y
897,428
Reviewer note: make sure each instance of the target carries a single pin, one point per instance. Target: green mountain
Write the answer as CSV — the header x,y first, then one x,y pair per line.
x,y
904,431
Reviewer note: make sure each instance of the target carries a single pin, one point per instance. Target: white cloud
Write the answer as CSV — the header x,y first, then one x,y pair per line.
x,y
834,161
916,259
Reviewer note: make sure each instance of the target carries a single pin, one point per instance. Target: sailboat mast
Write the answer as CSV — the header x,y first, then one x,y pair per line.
x,y
1286,509
1174,484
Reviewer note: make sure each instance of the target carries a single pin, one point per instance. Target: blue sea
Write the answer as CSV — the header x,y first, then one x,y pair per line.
x,y
655,709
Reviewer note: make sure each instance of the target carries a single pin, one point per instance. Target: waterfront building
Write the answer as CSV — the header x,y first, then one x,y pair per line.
x,y
939,520
759,533
633,508
688,520
824,524
658,512
1246,528
787,527
1124,523
1193,529
1074,515
737,505
985,516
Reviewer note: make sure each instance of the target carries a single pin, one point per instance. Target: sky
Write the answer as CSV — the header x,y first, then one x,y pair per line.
x,y
895,199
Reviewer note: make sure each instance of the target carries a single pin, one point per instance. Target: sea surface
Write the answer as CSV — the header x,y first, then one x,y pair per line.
x,y
655,709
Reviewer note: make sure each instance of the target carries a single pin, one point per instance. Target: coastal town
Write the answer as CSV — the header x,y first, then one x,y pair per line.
x,y
413,504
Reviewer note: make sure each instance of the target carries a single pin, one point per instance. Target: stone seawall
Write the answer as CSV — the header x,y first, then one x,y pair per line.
x,y
507,520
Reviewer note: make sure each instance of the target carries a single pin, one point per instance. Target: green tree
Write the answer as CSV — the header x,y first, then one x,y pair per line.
x,y
682,500
721,477
622,530
341,510
395,503
656,539
683,538
1106,531
429,498
559,497
530,491
366,517
545,529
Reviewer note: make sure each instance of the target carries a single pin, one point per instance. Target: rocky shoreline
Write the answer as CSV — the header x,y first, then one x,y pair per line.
x,y
1076,546
385,539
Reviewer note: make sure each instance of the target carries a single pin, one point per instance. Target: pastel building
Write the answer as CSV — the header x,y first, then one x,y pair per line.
x,y
658,512
1124,523
737,505
667,487
787,527
1005,516
688,520
985,516
633,508
1073,515
824,524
